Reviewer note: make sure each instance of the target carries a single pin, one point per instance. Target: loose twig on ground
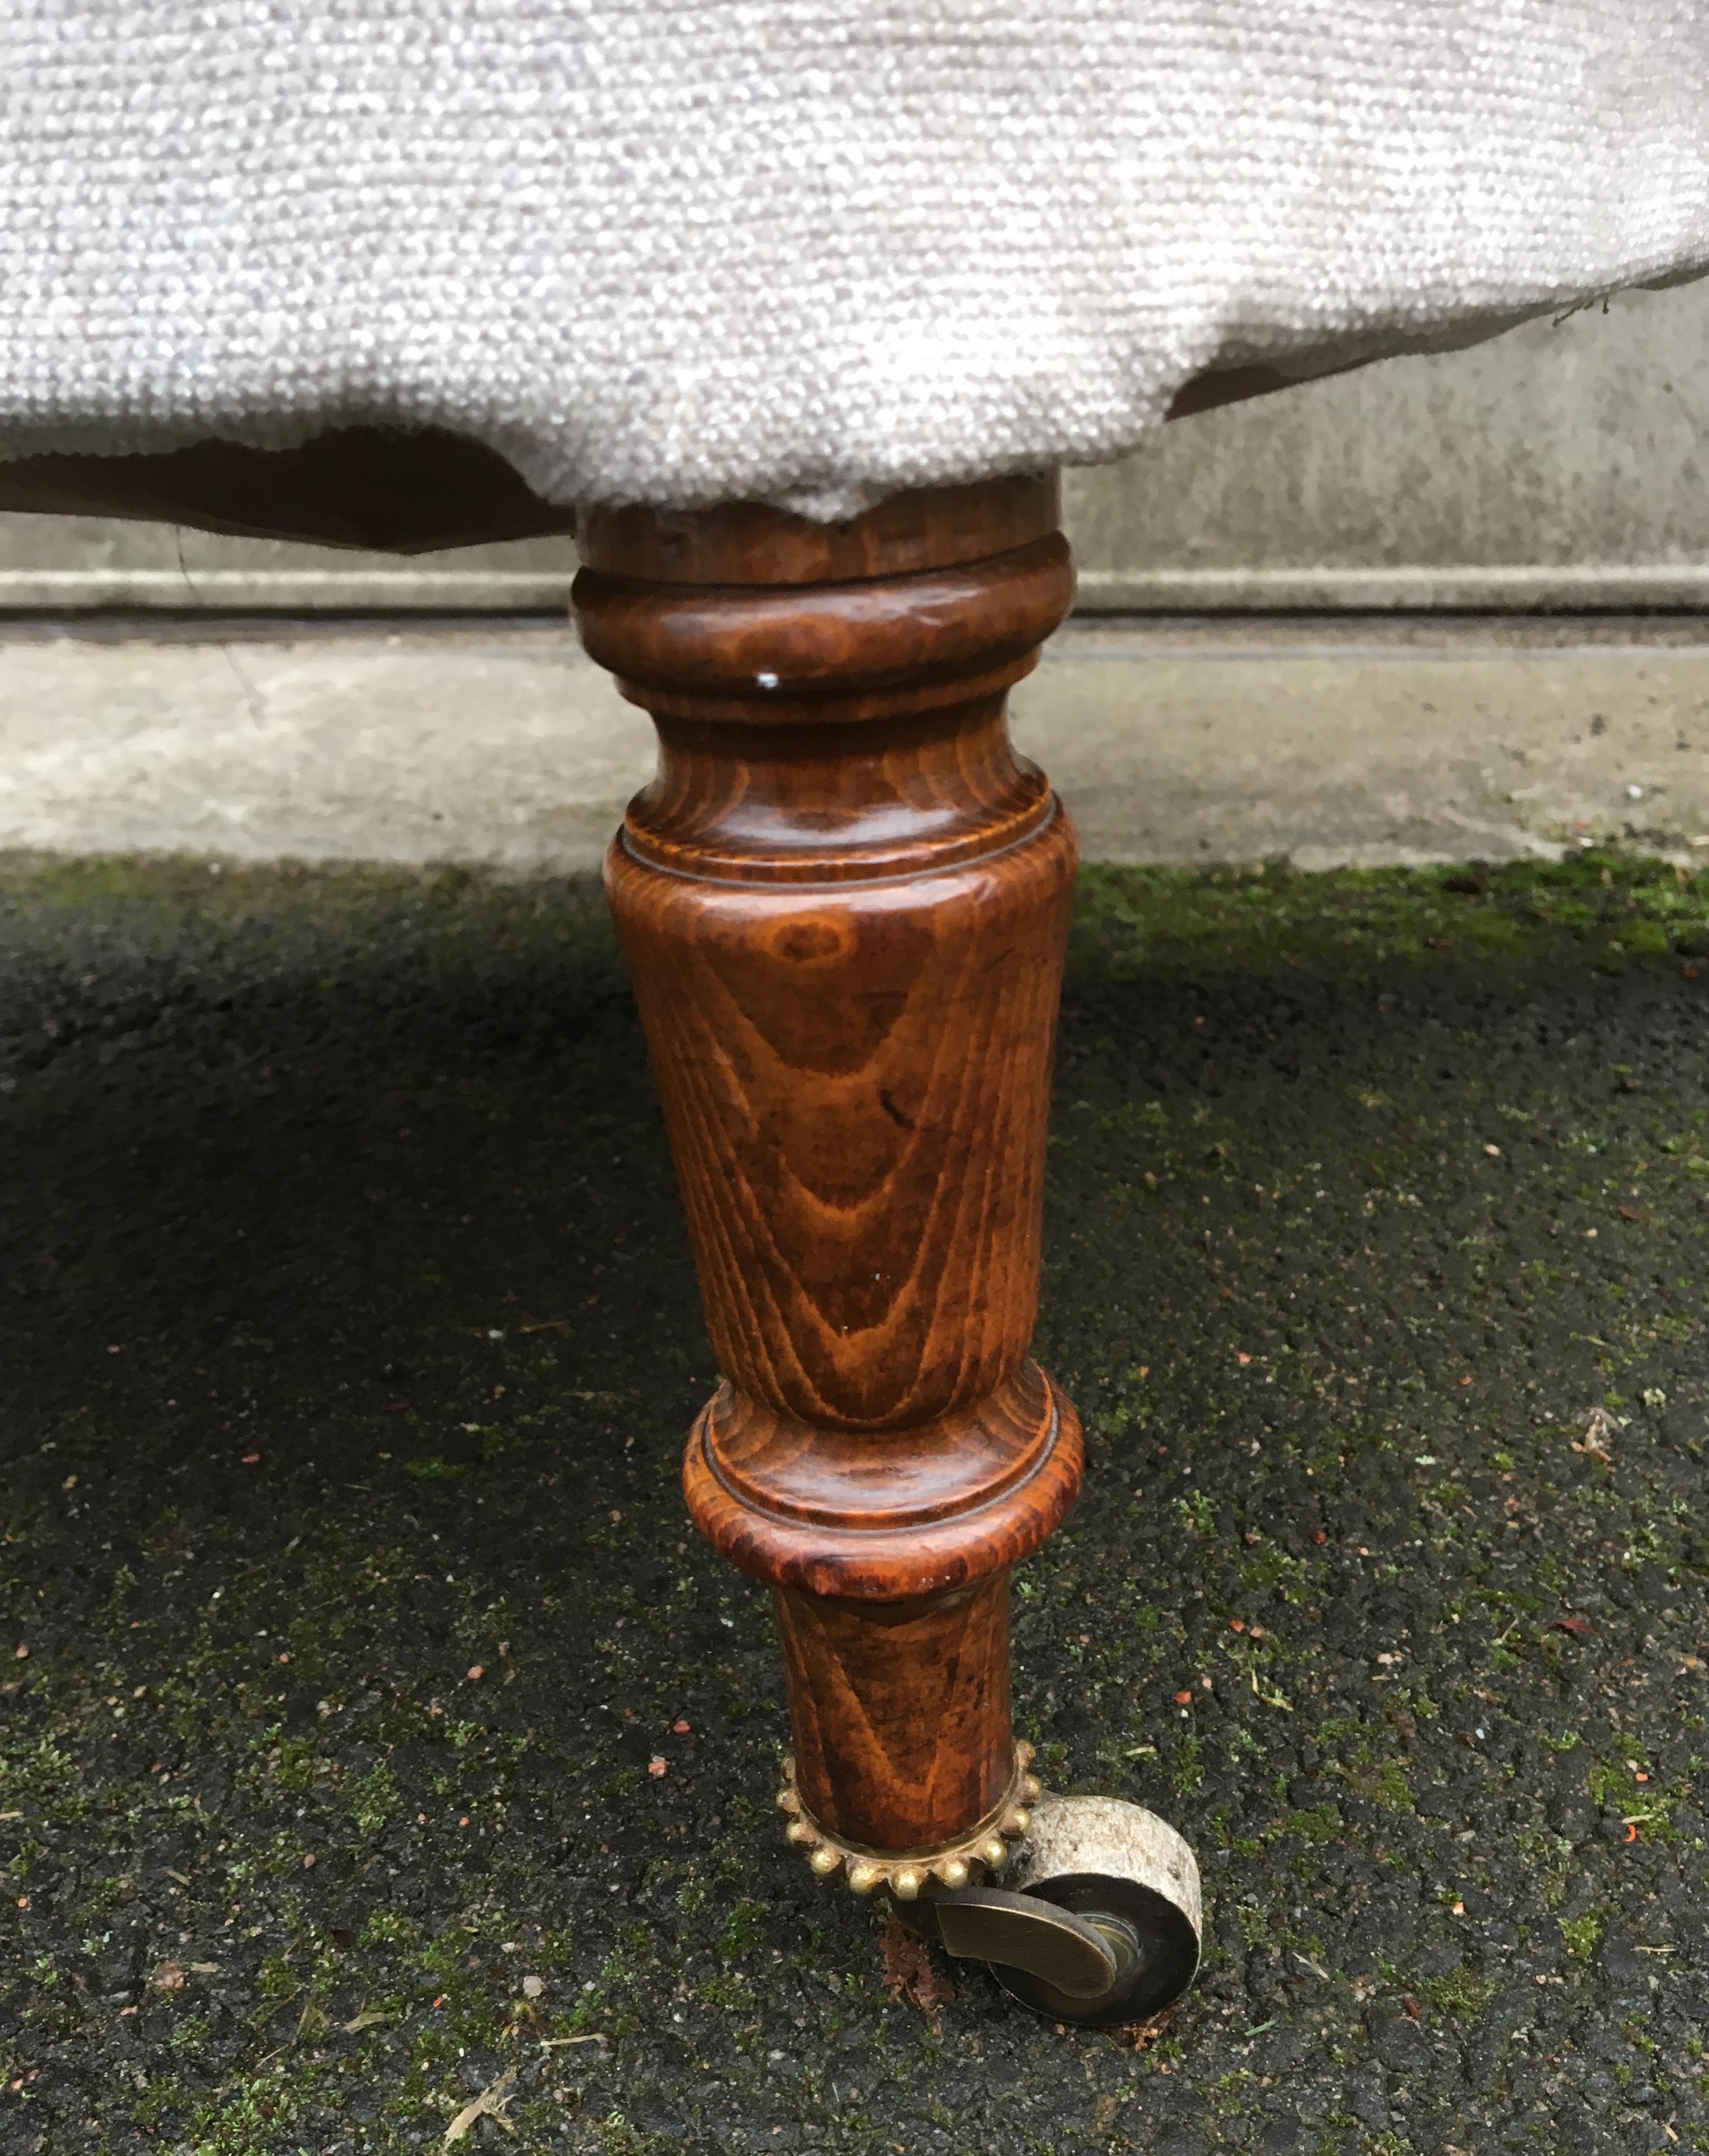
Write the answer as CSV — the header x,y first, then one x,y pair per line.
x,y
491,2103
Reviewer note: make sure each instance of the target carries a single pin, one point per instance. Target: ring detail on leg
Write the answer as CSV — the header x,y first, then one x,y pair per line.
x,y
985,1848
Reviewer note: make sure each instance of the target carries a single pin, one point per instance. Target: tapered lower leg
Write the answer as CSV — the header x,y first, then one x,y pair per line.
x,y
899,1712
844,903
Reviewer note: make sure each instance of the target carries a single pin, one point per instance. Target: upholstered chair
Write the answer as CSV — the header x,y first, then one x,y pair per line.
x,y
792,310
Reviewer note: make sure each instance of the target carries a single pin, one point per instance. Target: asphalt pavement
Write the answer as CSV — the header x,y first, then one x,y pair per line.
x,y
385,1766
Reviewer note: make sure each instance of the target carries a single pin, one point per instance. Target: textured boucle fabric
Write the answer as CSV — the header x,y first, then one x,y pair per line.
x,y
806,251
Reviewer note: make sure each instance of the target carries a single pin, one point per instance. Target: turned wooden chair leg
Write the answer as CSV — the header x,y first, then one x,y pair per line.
x,y
844,902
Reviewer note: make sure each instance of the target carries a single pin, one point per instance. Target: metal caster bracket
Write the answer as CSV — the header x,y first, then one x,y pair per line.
x,y
1099,1922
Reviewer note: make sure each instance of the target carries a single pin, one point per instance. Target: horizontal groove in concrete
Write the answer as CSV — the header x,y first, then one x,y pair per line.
x,y
1518,586
419,587
1427,631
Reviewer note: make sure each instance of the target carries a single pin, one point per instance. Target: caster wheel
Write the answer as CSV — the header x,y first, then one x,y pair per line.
x,y
1100,1921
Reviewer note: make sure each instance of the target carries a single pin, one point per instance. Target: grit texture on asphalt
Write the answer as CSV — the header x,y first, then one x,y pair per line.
x,y
384,1766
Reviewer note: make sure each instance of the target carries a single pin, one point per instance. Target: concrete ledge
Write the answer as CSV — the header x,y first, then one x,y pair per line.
x,y
1371,741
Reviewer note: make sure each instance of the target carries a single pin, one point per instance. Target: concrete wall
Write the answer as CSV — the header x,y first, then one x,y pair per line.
x,y
1558,466
1561,465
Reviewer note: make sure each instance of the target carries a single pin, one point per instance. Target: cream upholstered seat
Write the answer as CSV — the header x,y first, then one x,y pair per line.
x,y
807,251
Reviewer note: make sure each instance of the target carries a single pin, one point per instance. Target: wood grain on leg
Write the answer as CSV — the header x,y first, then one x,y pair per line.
x,y
873,1688
844,901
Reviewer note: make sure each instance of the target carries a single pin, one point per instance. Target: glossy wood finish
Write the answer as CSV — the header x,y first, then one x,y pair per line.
x,y
844,902
874,1687
875,1511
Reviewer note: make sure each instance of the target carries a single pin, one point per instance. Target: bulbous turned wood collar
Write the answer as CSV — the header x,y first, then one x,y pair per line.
x,y
831,652
909,1873
882,1516
751,616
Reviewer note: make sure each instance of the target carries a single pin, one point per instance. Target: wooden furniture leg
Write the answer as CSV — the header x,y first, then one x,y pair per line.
x,y
844,901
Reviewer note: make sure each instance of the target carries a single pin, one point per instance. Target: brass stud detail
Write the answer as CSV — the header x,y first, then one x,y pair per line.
x,y
909,1875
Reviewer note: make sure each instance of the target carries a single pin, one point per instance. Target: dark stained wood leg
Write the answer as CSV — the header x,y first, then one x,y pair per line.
x,y
875,1687
844,901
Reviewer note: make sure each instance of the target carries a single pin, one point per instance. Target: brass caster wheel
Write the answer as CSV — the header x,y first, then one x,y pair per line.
x,y
1099,1922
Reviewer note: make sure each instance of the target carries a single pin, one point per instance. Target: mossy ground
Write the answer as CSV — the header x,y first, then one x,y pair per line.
x,y
349,1333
